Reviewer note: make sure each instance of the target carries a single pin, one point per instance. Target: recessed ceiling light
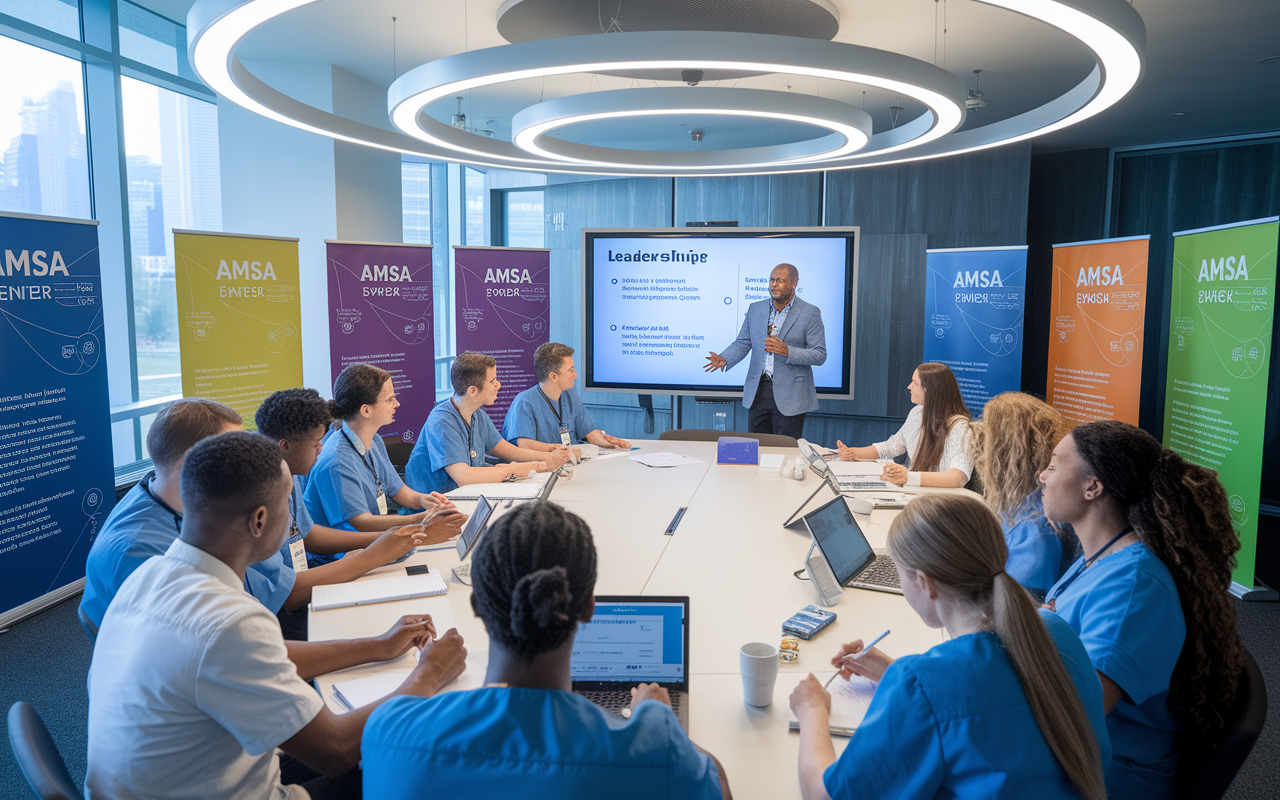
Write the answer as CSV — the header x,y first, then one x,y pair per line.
x,y
1270,60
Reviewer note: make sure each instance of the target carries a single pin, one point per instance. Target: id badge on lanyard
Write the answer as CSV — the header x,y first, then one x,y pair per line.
x,y
297,553
382,501
564,434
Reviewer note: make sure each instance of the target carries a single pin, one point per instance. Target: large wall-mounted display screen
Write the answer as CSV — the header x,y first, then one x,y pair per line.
x,y
658,301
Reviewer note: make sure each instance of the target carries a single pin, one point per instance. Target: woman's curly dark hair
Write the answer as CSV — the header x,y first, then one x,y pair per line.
x,y
1179,511
532,576
292,413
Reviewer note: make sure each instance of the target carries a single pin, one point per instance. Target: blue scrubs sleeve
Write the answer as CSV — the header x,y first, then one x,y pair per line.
x,y
271,581
896,751
521,422
447,443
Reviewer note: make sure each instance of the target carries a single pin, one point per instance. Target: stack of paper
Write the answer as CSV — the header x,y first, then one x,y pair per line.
x,y
377,590
359,692
849,703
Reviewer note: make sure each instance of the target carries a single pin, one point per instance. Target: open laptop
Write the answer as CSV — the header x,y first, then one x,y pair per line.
x,y
843,483
854,562
632,640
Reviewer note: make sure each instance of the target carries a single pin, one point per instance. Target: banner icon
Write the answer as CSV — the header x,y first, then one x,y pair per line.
x,y
1096,329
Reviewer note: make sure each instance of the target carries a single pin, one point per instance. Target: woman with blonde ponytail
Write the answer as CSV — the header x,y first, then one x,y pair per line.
x,y
1008,708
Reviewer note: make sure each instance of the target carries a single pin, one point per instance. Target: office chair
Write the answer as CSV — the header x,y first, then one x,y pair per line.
x,y
38,756
87,624
701,435
1209,778
398,451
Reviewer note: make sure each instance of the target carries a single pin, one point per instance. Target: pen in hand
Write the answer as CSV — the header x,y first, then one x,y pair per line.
x,y
858,654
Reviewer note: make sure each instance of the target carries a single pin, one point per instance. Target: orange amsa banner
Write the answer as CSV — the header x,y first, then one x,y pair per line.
x,y
1095,329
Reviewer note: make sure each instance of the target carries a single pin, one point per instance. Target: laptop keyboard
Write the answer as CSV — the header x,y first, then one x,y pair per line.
x,y
615,701
882,572
855,486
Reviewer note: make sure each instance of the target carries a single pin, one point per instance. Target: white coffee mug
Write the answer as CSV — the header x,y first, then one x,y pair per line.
x,y
758,662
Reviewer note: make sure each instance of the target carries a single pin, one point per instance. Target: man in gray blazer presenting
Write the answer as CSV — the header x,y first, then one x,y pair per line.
x,y
786,340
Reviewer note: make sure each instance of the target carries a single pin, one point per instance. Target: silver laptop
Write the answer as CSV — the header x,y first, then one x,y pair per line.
x,y
842,483
632,640
854,562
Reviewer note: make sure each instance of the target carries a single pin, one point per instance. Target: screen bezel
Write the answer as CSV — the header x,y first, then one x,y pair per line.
x,y
677,686
859,566
479,521
589,236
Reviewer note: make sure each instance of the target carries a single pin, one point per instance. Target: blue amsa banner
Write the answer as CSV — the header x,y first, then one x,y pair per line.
x,y
56,480
974,301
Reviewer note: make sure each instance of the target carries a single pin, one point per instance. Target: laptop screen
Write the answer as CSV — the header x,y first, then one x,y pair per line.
x,y
475,524
631,641
840,539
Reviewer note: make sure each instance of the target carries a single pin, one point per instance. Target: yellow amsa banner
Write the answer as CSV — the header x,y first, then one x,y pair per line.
x,y
238,317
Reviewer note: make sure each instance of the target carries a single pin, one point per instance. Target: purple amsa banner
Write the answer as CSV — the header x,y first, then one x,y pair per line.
x,y
381,313
503,299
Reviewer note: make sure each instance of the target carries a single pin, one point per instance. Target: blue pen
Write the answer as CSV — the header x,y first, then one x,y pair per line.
x,y
859,654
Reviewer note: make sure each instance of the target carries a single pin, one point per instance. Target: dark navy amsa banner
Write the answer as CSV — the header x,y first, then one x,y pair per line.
x,y
56,478
974,302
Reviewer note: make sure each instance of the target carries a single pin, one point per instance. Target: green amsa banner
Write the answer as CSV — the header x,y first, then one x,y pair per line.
x,y
1221,311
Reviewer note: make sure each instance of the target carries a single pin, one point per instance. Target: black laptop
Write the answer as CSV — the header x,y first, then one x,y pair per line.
x,y
854,562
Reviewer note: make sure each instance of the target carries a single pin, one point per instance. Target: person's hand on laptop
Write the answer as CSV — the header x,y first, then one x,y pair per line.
x,y
895,474
649,691
871,665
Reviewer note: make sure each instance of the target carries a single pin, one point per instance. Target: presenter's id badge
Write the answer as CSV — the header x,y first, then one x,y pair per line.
x,y
382,502
297,553
564,435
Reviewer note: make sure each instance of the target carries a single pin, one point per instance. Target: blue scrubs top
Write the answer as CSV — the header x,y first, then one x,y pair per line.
x,y
954,723
533,415
341,486
141,526
447,439
1037,556
529,744
1126,609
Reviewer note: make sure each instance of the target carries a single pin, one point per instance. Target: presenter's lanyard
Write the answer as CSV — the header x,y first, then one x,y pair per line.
x,y
146,487
1087,562
367,463
471,444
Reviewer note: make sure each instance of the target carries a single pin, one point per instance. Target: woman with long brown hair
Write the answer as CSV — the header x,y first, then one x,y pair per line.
x,y
1149,596
935,435
1007,708
1012,444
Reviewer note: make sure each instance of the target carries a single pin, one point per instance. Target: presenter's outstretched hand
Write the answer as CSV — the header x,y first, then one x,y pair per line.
x,y
649,691
894,473
714,362
811,703
872,665
776,346
442,660
413,630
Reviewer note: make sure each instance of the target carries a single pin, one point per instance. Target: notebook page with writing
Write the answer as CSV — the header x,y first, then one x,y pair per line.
x,y
849,703
379,590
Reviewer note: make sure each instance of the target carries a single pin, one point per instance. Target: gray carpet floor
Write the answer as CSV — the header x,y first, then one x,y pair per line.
x,y
45,661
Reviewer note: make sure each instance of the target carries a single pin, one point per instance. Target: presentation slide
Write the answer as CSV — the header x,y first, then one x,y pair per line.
x,y
658,304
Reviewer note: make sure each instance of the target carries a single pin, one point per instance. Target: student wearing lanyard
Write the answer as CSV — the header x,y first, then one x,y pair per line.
x,y
1007,708
149,517
353,476
297,420
458,434
1011,447
1149,595
551,415
935,436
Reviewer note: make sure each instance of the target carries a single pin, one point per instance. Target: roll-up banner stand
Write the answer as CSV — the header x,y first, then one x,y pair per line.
x,y
503,297
239,317
974,299
1220,317
380,313
56,480
1095,329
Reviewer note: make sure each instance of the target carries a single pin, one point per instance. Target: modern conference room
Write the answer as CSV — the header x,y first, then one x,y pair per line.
x,y
638,399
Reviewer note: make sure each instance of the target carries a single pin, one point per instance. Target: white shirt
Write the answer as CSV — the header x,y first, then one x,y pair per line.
x,y
191,689
955,453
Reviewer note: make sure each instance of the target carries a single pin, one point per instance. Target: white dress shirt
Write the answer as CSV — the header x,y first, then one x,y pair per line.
x,y
191,689
955,453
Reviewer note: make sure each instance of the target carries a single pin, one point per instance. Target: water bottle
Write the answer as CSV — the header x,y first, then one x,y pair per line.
x,y
721,419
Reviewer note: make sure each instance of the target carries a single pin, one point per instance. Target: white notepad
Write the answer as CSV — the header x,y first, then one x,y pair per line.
x,y
508,490
380,590
359,692
849,702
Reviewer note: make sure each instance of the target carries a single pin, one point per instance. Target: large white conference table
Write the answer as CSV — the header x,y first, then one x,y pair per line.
x,y
730,555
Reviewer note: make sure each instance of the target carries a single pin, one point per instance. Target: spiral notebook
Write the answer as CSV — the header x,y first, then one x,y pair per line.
x,y
849,703
378,590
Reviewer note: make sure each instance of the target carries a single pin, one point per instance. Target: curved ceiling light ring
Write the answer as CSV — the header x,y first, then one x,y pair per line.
x,y
1111,29
937,89
850,126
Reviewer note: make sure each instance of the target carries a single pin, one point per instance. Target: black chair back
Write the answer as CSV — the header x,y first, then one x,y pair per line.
x,y
38,756
398,451
1208,779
